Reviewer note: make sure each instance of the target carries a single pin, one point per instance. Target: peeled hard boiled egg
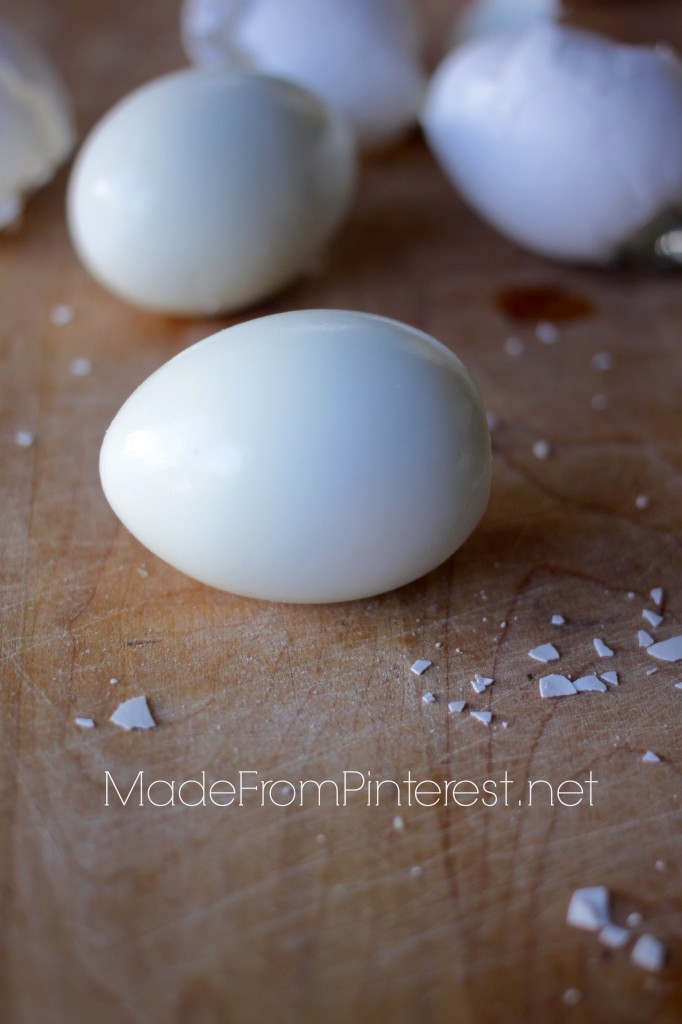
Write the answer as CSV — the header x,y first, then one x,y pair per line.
x,y
565,141
310,456
203,192
362,57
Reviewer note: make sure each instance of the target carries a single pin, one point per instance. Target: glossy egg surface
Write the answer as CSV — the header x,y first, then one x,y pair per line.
x,y
206,191
311,456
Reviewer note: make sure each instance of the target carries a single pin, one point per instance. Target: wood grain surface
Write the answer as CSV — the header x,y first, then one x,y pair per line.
x,y
210,915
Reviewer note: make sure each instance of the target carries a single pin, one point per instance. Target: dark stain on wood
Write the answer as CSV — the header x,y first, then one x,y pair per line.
x,y
543,302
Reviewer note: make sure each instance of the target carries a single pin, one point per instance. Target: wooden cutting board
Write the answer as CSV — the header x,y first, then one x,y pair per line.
x,y
265,913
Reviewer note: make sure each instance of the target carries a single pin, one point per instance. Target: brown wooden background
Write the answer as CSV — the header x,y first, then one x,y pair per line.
x,y
129,915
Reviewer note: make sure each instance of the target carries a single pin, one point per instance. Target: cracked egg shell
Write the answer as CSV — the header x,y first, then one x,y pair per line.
x,y
36,120
568,143
362,57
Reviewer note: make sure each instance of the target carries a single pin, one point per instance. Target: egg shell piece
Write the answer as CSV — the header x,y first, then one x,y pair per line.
x,y
362,57
36,117
564,140
203,191
311,456
486,17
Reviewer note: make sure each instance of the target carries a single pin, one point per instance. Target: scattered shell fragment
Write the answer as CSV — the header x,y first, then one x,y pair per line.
x,y
591,682
678,686
642,502
589,908
24,438
602,361
649,953
545,653
572,996
513,346
84,723
644,639
485,717
657,596
613,936
542,450
478,687
61,315
420,666
653,618
667,650
652,671
398,823
556,686
547,332
133,714
456,707
634,919
558,620
428,698
661,865
610,677
602,649
80,367
650,757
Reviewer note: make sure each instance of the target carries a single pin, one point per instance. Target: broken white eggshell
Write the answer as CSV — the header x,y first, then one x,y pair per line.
x,y
485,17
567,142
36,121
310,456
362,57
203,191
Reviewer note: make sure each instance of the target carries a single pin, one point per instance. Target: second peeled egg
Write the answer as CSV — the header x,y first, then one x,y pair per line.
x,y
204,192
